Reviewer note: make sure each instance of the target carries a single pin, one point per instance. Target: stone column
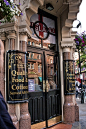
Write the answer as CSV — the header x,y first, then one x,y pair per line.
x,y
69,107
25,120
11,37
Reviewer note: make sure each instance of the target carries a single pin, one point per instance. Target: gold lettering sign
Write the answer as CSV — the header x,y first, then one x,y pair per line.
x,y
17,76
69,76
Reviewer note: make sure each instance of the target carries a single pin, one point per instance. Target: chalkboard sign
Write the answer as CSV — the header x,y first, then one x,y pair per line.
x,y
17,76
31,85
69,76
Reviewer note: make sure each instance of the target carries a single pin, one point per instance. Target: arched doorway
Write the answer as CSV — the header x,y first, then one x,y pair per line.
x,y
43,71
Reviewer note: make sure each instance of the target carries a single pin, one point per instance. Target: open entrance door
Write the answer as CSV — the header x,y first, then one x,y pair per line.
x,y
53,99
44,88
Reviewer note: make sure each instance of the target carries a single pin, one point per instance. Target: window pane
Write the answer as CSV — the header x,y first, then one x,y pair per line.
x,y
50,41
51,72
29,55
29,42
35,73
29,66
32,66
33,43
39,70
32,55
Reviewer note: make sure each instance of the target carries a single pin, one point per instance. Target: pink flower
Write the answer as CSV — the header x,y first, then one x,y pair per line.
x,y
76,39
82,41
83,44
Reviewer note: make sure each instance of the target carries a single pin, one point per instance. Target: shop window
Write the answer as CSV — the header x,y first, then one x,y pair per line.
x,y
29,43
29,66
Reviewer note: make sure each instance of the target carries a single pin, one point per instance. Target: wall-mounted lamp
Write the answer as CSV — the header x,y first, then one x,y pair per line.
x,y
49,7
79,24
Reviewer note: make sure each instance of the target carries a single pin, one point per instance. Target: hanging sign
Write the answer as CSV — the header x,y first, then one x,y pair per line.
x,y
69,76
17,76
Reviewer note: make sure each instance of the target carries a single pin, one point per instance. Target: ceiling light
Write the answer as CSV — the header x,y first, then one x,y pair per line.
x,y
49,7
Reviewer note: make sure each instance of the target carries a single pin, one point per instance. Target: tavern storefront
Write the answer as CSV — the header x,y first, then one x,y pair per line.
x,y
38,77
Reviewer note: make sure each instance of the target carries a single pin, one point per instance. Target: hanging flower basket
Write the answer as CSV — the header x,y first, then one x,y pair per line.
x,y
8,10
80,40
1,15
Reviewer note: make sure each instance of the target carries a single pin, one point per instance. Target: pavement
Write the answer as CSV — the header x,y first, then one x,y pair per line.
x,y
82,113
75,125
82,118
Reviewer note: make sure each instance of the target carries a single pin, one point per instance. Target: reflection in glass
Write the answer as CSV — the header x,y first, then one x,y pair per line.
x,y
29,43
35,73
51,72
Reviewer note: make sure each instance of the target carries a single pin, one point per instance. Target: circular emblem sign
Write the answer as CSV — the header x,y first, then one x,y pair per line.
x,y
41,30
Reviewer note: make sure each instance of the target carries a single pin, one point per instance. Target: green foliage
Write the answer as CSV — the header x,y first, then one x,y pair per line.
x,y
8,10
32,72
80,40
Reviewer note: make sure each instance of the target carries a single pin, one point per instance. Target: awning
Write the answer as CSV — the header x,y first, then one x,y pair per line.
x,y
40,78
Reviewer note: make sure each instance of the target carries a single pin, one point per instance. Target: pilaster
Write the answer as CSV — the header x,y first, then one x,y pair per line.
x,y
11,41
25,120
23,38
70,115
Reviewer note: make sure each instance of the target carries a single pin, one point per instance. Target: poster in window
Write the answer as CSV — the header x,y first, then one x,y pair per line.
x,y
31,85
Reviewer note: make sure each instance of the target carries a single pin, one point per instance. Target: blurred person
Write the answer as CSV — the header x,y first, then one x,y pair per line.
x,y
83,85
5,119
77,89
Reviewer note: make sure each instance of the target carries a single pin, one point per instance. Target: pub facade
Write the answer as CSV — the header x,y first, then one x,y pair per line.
x,y
38,76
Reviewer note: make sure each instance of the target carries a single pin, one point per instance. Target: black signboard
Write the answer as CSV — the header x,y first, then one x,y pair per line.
x,y
69,77
17,76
